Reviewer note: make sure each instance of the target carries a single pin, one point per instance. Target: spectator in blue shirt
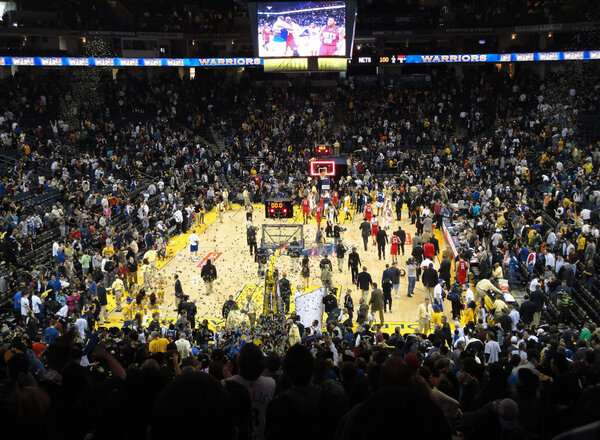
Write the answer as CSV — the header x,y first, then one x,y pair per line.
x,y
17,306
93,288
51,334
55,284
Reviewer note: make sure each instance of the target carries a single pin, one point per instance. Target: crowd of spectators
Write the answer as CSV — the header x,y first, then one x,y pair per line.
x,y
502,157
465,14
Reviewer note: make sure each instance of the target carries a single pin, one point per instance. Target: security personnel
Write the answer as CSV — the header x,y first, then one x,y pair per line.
x,y
353,264
251,237
285,290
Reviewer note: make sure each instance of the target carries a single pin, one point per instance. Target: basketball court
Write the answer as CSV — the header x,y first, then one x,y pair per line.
x,y
224,242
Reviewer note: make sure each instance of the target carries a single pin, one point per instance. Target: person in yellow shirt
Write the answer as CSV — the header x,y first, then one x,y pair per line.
x,y
424,313
497,273
117,289
580,244
157,343
588,167
468,315
499,307
108,251
436,317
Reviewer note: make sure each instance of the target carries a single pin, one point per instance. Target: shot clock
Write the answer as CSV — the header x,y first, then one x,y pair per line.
x,y
279,208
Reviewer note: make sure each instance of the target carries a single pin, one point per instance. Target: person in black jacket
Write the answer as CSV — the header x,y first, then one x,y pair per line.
x,y
430,280
527,310
402,236
103,302
353,264
365,231
178,288
209,275
285,290
445,267
364,281
538,298
382,240
340,253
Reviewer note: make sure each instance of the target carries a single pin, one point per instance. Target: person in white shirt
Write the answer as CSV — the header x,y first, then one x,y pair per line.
x,y
425,263
514,315
55,248
492,348
183,346
194,241
25,307
261,388
82,326
549,260
178,216
36,302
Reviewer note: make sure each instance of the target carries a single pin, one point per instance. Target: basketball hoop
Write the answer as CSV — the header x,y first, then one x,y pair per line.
x,y
323,173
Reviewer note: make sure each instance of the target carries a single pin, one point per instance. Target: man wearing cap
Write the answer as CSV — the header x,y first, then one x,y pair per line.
x,y
438,295
354,264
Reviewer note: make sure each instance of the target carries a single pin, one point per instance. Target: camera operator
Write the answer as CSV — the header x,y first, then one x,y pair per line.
x,y
337,231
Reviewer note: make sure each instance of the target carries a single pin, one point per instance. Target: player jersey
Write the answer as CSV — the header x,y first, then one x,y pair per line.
x,y
266,34
330,36
379,196
318,210
335,197
305,204
369,209
395,239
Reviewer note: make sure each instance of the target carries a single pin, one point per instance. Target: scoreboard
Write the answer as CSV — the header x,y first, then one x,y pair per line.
x,y
279,208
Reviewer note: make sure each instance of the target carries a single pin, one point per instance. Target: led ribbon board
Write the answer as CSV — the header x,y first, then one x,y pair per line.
x,y
237,62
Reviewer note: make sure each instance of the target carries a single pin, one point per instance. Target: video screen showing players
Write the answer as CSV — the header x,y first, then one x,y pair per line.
x,y
301,29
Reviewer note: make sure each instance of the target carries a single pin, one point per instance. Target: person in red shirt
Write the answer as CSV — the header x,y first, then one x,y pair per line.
x,y
374,228
330,37
461,270
368,212
429,250
335,198
394,248
319,210
305,210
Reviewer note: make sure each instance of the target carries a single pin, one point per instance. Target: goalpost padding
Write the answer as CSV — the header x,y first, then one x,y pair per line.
x,y
279,235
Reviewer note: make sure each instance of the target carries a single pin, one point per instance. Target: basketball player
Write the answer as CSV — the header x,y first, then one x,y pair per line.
x,y
347,202
318,211
194,241
266,36
379,197
305,210
314,42
290,41
387,217
394,248
280,32
368,212
374,227
330,37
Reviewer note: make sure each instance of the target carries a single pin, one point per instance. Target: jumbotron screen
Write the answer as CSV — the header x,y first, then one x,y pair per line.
x,y
301,29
